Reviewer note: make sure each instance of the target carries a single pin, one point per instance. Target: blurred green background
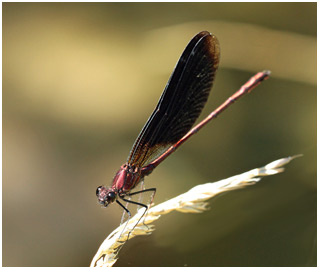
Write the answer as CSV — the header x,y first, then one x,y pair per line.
x,y
81,79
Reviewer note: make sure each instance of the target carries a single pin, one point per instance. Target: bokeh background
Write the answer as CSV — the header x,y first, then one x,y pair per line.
x,y
81,79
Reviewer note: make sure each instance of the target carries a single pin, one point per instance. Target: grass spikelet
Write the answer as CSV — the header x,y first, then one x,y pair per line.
x,y
193,201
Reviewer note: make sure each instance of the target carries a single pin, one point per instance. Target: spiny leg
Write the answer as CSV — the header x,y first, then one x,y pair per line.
x,y
139,192
140,196
125,211
152,198
135,203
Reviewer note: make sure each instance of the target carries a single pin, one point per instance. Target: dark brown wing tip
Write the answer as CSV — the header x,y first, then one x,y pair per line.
x,y
213,49
211,45
203,33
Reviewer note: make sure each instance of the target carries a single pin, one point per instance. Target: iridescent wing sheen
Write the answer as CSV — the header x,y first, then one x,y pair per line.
x,y
181,102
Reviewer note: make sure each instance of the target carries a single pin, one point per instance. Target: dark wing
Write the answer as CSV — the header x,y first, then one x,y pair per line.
x,y
181,102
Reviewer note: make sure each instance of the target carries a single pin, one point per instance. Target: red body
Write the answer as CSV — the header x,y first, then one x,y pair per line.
x,y
126,179
170,124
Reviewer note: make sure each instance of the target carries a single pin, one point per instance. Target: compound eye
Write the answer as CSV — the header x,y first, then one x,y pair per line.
x,y
111,196
98,190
